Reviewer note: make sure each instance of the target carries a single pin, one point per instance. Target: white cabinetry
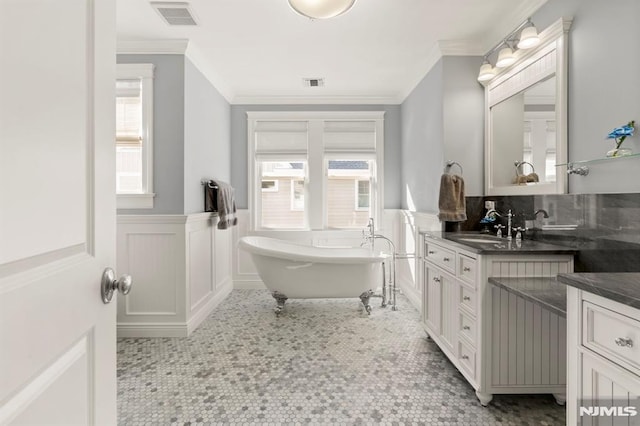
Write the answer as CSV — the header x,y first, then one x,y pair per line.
x,y
604,360
501,343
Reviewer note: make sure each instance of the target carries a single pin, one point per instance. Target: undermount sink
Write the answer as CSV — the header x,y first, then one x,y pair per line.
x,y
478,239
493,240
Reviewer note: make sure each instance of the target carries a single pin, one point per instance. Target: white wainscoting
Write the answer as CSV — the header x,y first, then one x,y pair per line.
x,y
409,272
401,226
181,270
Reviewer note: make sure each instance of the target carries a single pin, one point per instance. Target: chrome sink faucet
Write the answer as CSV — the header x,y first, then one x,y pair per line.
x,y
500,227
544,214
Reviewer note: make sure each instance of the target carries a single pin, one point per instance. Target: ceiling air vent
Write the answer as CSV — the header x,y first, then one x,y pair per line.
x,y
313,82
174,13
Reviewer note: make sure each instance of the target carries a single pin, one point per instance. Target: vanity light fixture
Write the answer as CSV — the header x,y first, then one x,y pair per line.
x,y
527,39
486,71
505,57
321,9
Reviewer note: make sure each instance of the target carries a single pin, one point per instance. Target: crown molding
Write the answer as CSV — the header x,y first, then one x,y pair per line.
x,y
155,47
316,100
460,48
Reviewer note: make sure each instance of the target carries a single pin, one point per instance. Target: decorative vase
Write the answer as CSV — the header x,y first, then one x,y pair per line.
x,y
619,152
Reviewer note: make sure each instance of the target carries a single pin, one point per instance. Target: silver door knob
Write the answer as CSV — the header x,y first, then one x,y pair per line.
x,y
109,284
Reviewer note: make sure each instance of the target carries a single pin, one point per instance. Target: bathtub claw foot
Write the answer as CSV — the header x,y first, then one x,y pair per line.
x,y
280,299
364,297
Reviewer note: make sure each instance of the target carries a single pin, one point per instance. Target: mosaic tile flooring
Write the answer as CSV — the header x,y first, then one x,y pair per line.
x,y
321,362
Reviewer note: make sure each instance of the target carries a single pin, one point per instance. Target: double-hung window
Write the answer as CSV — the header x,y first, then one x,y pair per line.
x,y
134,141
323,169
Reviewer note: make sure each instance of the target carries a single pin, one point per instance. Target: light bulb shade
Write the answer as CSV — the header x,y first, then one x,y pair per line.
x,y
321,9
528,38
486,72
505,57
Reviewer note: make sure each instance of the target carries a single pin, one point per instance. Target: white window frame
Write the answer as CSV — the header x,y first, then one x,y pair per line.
x,y
357,185
294,208
143,72
315,183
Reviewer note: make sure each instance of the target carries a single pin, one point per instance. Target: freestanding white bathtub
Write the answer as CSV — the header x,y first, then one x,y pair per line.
x,y
295,271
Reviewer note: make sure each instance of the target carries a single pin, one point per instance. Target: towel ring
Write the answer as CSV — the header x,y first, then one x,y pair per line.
x,y
210,183
522,179
450,164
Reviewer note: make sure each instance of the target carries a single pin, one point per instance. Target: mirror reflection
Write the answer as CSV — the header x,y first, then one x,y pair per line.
x,y
523,132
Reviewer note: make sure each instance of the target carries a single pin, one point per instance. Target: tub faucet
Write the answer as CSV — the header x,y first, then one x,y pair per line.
x,y
369,234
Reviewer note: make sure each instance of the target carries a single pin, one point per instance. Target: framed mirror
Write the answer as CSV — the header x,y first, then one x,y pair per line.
x,y
526,120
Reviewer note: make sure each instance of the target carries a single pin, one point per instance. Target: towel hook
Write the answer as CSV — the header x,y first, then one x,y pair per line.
x,y
450,164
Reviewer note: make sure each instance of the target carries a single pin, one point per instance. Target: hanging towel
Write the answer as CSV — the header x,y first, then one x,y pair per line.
x,y
226,206
451,203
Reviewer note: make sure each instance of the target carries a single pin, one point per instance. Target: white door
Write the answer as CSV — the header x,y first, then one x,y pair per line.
x,y
57,211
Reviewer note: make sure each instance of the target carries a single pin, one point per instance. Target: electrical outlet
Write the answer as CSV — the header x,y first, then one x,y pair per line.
x,y
489,205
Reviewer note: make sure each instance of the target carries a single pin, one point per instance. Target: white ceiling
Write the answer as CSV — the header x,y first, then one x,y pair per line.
x,y
259,51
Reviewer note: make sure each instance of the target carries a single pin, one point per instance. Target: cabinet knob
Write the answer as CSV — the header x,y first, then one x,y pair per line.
x,y
466,327
431,252
466,269
436,279
446,259
465,357
624,342
466,298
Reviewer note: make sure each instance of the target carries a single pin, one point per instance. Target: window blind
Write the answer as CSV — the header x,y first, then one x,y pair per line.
x,y
128,113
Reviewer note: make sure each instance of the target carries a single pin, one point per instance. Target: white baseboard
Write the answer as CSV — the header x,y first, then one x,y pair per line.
x,y
152,330
411,294
207,308
249,285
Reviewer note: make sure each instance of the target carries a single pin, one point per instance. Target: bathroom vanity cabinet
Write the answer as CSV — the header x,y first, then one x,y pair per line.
x,y
500,343
603,347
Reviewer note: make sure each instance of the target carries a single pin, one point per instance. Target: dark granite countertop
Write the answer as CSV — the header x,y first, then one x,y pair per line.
x,y
622,287
487,244
544,291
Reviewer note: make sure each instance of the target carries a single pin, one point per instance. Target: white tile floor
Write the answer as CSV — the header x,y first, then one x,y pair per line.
x,y
320,362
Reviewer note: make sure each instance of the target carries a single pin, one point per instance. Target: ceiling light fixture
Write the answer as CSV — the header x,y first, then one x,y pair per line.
x,y
321,9
506,55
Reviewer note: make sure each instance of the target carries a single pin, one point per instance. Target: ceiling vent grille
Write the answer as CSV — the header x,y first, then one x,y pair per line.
x,y
313,82
175,13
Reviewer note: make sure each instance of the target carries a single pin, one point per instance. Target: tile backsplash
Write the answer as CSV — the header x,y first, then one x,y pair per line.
x,y
607,226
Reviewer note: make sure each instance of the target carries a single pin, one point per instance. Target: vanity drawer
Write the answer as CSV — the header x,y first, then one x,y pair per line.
x,y
610,334
440,256
467,327
467,269
467,358
467,298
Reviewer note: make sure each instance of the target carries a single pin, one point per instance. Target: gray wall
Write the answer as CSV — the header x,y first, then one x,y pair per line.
x,y
464,119
604,71
442,120
206,136
191,134
392,136
422,143
168,132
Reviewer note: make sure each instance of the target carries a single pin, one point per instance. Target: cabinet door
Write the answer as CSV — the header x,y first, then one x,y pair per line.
x,y
432,297
448,311
609,393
